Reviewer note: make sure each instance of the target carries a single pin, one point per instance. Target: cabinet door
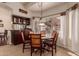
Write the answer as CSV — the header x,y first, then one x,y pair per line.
x,y
19,38
13,38
16,37
27,21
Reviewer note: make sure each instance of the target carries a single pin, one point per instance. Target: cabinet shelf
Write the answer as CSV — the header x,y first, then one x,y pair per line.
x,y
20,20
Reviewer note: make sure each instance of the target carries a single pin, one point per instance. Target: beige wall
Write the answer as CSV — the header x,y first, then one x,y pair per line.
x,y
5,16
15,6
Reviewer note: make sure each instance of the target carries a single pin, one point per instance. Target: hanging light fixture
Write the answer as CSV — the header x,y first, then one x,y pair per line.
x,y
41,11
40,5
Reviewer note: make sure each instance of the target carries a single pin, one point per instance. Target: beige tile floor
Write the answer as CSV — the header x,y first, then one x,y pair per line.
x,y
16,50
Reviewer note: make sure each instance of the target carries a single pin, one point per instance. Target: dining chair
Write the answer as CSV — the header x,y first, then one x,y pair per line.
x,y
26,43
55,42
51,43
36,43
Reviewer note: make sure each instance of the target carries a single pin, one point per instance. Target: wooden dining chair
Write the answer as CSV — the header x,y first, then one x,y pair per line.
x,y
51,43
36,43
26,43
55,42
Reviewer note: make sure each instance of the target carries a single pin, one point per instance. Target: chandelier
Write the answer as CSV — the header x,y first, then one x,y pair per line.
x,y
40,5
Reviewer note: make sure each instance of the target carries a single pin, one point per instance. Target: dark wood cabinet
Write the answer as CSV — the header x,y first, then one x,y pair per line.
x,y
16,33
16,37
20,20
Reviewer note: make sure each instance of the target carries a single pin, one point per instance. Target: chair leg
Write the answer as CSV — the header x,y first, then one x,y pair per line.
x,y
52,50
23,47
40,52
31,51
55,49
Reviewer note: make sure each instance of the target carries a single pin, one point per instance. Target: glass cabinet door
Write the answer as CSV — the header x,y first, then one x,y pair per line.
x,y
19,22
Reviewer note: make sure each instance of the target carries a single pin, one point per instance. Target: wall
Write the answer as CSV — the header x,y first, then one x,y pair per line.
x,y
16,6
5,16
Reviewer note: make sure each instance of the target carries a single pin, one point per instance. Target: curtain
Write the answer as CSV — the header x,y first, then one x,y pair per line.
x,y
73,38
69,30
75,32
62,40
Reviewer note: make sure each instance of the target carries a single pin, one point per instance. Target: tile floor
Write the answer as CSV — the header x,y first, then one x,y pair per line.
x,y
16,50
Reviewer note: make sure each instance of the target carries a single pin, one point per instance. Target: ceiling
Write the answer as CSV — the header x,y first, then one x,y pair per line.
x,y
36,6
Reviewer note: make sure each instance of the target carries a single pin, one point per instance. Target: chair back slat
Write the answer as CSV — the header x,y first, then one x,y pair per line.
x,y
22,34
55,37
35,40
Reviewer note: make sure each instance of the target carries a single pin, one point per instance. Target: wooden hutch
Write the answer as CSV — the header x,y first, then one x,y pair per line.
x,y
18,23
